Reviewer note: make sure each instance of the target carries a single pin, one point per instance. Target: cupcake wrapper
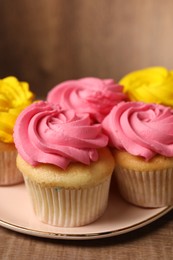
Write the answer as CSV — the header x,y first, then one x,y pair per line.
x,y
147,188
9,174
68,207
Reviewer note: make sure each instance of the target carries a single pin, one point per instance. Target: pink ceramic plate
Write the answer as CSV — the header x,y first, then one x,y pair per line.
x,y
120,217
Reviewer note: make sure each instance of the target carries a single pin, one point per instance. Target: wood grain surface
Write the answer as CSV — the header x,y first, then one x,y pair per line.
x,y
46,42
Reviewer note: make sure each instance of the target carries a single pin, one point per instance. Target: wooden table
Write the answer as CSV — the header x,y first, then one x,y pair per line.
x,y
154,241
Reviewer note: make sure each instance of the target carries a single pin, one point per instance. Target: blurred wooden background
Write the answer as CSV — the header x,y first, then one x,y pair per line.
x,y
48,41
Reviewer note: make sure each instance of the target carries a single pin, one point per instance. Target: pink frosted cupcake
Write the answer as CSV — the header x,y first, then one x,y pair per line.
x,y
143,137
65,163
88,95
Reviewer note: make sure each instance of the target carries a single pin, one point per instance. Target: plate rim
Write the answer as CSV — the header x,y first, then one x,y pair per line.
x,y
83,236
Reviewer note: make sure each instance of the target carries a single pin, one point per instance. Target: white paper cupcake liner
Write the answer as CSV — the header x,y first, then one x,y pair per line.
x,y
146,188
9,174
68,207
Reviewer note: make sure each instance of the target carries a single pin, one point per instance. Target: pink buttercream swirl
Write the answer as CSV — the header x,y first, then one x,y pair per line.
x,y
88,95
141,129
44,133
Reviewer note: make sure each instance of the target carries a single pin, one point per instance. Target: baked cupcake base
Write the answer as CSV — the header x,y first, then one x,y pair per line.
x,y
68,207
145,184
9,174
73,197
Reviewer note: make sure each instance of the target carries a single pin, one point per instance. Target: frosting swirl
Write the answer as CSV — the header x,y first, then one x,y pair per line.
x,y
150,85
141,129
88,95
14,97
44,133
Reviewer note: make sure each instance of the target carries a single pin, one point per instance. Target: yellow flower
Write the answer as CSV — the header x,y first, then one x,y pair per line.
x,y
14,97
150,85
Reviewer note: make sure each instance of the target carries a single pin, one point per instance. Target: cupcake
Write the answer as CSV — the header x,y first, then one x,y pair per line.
x,y
88,95
150,85
142,139
14,97
65,163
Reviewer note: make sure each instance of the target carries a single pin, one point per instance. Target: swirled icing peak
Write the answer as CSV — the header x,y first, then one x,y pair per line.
x,y
88,95
141,129
44,133
151,85
14,97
